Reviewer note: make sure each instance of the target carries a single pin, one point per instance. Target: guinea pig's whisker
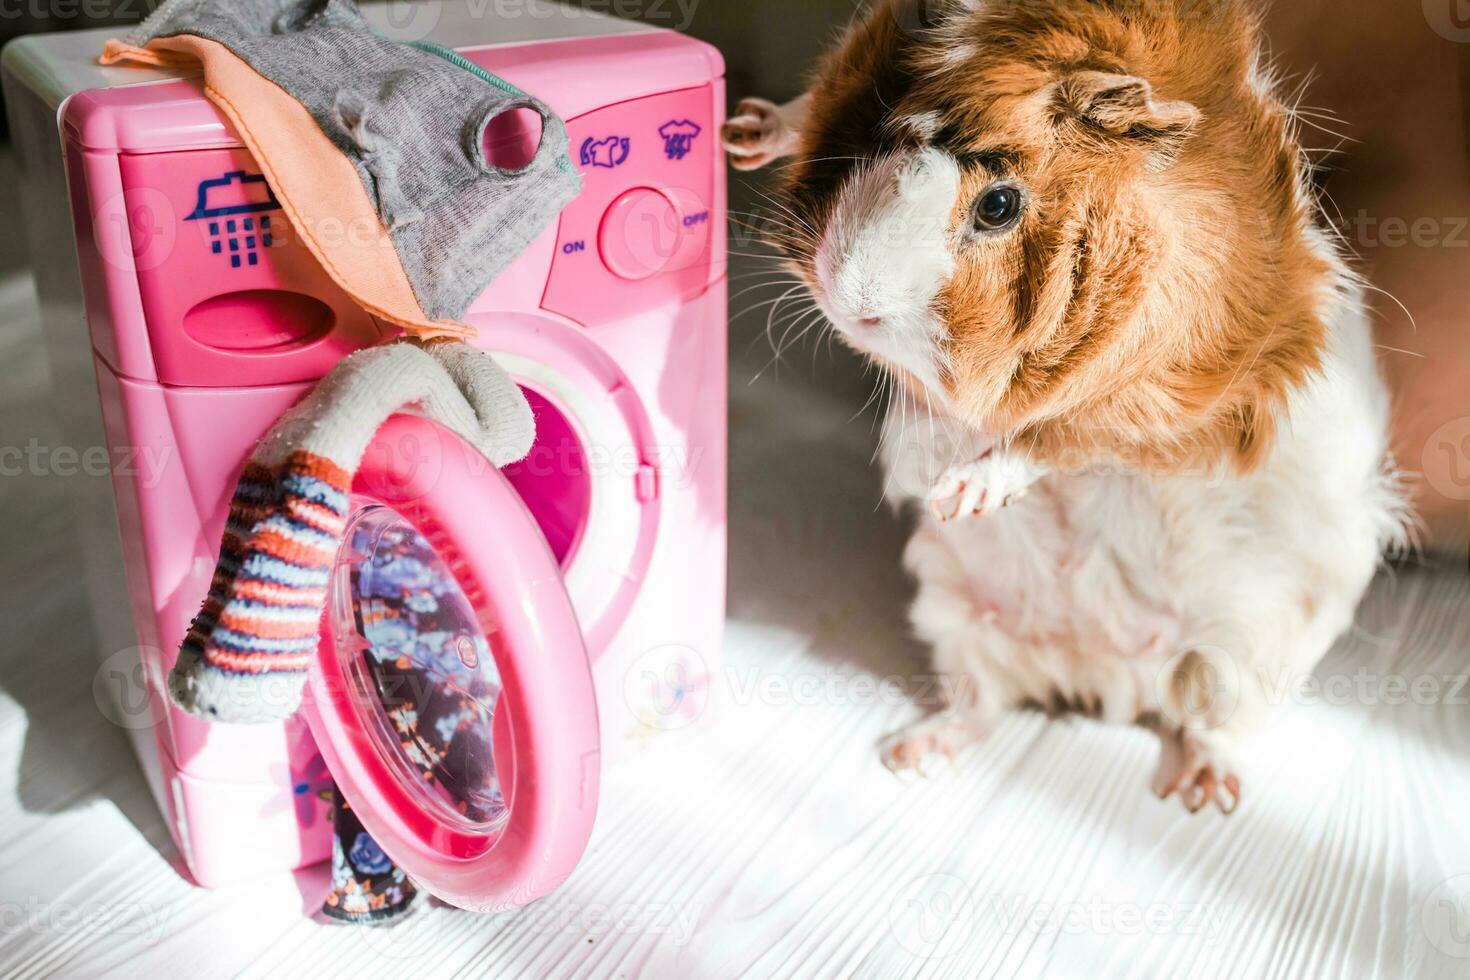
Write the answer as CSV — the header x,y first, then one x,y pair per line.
x,y
800,222
771,316
768,258
800,162
823,326
766,284
774,302
777,234
875,396
775,361
929,410
778,347
760,224
802,320
1413,324
760,272
766,287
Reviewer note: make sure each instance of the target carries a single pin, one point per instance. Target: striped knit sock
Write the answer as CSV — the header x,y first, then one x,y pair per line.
x,y
246,655
255,496
249,647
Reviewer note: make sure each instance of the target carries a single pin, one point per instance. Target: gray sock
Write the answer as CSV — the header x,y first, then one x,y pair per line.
x,y
411,118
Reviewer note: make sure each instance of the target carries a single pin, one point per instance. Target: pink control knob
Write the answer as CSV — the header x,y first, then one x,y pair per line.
x,y
641,234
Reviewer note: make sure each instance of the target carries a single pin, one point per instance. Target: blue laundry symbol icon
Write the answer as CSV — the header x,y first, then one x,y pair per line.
x,y
232,205
609,153
678,137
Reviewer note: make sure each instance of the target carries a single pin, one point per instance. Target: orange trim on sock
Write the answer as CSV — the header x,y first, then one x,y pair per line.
x,y
257,663
320,468
115,52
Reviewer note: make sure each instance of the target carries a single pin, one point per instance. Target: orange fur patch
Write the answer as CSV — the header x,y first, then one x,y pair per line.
x,y
1162,294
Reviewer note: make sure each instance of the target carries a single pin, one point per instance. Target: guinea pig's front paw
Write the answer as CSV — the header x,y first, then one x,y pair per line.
x,y
755,135
995,480
1200,773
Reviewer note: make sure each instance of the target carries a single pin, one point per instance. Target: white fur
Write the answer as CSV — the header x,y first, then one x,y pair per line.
x,y
1095,586
1178,600
886,256
923,125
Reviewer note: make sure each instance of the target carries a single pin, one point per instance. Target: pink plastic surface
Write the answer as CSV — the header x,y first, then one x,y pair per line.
x,y
555,479
606,580
511,139
484,533
632,374
211,246
234,830
640,234
195,239
664,145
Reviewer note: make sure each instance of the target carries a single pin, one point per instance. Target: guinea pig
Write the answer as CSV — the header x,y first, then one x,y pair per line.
x,y
1147,444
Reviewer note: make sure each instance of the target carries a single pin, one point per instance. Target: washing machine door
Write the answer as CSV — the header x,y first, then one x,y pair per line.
x,y
452,694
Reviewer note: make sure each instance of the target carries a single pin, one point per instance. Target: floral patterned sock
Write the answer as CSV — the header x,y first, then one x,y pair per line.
x,y
366,885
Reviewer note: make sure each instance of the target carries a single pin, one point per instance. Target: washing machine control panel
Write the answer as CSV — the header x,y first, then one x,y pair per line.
x,y
231,295
639,235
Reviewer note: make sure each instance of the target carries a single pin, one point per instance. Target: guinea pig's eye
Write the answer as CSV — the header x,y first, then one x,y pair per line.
x,y
998,208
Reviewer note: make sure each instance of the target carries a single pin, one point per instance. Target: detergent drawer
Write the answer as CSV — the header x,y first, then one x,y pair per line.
x,y
230,293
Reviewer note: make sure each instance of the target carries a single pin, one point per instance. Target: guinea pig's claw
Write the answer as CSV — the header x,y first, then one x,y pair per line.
x,y
1232,786
975,489
1200,780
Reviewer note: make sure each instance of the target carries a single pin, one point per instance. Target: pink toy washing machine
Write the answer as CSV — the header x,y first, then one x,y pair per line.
x,y
586,584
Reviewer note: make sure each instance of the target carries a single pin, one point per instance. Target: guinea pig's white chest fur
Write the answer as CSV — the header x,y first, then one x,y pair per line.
x,y
1184,602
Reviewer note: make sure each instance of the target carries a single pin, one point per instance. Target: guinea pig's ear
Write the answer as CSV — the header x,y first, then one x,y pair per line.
x,y
1124,106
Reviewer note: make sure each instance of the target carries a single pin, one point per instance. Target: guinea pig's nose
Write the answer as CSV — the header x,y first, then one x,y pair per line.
x,y
870,322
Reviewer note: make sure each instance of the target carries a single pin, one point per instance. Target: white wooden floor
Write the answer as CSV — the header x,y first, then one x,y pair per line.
x,y
773,844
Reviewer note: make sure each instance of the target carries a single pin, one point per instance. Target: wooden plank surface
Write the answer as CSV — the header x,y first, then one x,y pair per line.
x,y
771,843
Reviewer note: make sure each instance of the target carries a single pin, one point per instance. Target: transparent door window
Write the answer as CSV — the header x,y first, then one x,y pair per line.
x,y
424,682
